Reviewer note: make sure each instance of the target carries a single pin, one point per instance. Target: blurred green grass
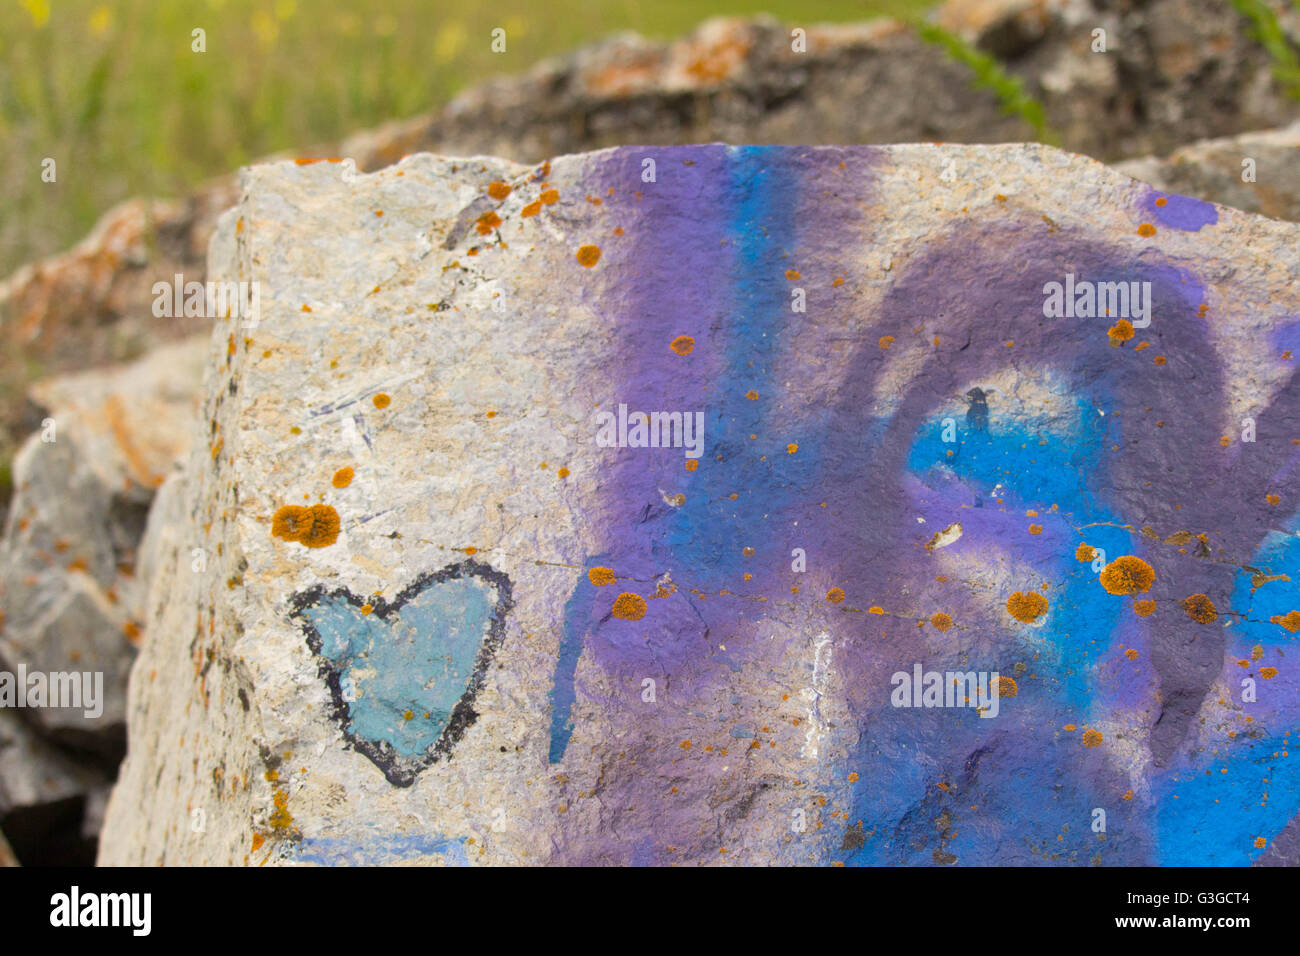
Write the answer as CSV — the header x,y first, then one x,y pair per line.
x,y
114,94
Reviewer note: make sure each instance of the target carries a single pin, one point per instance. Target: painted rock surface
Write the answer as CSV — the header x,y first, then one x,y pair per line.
x,y
879,505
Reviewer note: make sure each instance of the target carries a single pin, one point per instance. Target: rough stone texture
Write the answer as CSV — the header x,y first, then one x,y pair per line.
x,y
305,699
1214,169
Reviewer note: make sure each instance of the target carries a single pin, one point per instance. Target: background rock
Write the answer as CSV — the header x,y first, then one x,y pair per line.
x,y
1214,168
69,587
471,435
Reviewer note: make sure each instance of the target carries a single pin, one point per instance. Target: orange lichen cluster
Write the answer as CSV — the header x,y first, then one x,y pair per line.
x,y
1200,609
1120,332
381,400
1144,608
1291,621
588,255
1092,738
343,477
886,341
941,621
1027,606
499,190
1127,575
1084,552
315,527
487,222
1268,673
1007,687
601,576
835,595
682,345
532,209
280,818
1146,230
629,607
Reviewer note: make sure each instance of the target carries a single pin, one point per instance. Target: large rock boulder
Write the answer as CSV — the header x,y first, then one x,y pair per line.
x,y
426,591
1174,71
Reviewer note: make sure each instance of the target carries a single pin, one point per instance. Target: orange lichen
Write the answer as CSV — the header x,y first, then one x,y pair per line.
x,y
875,609
1291,621
258,840
1131,654
1092,738
791,448
886,341
1144,608
1200,609
682,345
629,607
601,576
1127,575
499,190
941,621
324,528
1268,673
1273,499
835,595
1007,687
487,222
532,209
1027,606
550,197
1035,529
381,400
563,472
343,477
1160,360
1084,553
1120,332
367,609
792,274
1146,230
280,818
752,395
692,464
291,522
588,255
1260,843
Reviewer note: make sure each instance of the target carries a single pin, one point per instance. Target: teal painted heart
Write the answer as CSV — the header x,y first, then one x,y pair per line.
x,y
403,674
